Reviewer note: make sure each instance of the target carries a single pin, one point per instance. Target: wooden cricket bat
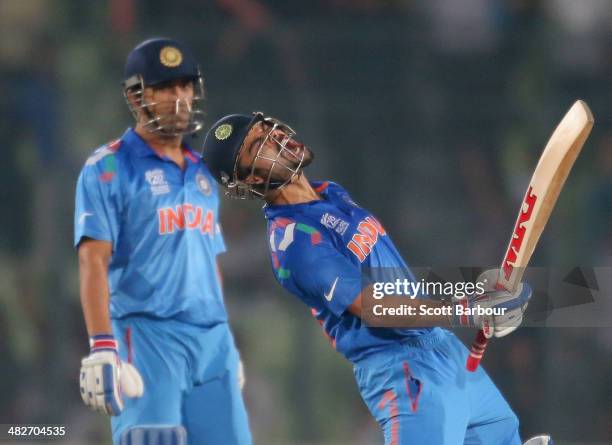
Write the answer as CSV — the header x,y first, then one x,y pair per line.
x,y
546,183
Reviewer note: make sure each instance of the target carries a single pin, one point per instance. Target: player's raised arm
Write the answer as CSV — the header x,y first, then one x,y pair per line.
x,y
469,311
442,318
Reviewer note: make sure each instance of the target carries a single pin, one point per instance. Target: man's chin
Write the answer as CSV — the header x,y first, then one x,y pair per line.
x,y
174,128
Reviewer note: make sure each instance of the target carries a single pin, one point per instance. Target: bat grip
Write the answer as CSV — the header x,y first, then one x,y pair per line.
x,y
476,351
479,345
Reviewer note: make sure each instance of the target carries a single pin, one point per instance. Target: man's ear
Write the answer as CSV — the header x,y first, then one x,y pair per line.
x,y
133,98
136,101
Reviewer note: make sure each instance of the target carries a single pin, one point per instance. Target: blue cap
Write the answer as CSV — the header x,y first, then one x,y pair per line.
x,y
160,60
223,141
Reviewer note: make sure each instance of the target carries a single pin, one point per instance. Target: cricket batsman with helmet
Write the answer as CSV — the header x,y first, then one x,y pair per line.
x,y
162,362
412,379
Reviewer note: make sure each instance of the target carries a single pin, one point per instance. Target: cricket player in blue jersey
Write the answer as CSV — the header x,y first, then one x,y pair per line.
x,y
162,362
412,379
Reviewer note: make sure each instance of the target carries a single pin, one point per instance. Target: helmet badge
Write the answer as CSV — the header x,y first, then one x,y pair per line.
x,y
170,56
224,131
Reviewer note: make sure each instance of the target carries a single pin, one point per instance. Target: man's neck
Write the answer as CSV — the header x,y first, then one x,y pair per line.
x,y
298,192
169,146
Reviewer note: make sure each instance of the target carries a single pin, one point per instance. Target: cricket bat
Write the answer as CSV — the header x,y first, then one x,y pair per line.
x,y
546,183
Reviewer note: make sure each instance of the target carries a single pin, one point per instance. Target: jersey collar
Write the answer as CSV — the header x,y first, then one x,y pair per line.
x,y
321,187
142,149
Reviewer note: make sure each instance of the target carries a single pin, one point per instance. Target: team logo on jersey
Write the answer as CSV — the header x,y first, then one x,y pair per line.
x,y
157,181
223,132
362,242
203,184
170,56
334,223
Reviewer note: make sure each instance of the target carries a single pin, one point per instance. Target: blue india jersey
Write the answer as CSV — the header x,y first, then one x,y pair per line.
x,y
333,247
163,225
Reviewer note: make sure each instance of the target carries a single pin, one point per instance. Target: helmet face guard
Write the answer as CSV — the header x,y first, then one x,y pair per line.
x,y
284,166
165,123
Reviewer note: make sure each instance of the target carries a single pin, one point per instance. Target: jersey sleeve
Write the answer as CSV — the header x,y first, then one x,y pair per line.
x,y
218,242
97,207
308,265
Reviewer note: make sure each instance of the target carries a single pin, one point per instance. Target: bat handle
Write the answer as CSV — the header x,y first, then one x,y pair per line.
x,y
476,351
479,345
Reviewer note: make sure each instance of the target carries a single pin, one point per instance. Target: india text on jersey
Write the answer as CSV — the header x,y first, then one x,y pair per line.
x,y
186,216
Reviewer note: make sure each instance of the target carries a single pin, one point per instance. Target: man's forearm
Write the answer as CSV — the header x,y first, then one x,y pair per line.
x,y
419,312
95,296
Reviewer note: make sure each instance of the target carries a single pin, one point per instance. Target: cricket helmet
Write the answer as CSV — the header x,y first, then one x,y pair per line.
x,y
222,149
154,62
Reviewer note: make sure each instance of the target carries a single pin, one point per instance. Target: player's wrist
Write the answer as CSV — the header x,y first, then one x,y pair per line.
x,y
465,313
103,342
459,319
459,316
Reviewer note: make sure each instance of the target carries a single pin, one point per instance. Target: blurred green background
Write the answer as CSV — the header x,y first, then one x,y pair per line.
x,y
431,112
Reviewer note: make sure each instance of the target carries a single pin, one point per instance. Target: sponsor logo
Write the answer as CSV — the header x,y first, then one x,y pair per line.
x,y
170,56
203,184
519,233
223,132
185,217
328,296
362,242
157,181
334,223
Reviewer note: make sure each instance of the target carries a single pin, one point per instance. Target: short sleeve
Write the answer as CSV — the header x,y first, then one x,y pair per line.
x,y
97,212
218,243
309,265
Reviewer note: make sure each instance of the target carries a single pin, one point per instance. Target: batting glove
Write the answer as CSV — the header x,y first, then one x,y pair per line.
x,y
540,440
496,312
105,379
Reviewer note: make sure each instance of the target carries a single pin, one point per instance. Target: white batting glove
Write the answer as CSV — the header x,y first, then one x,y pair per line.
x,y
512,305
105,379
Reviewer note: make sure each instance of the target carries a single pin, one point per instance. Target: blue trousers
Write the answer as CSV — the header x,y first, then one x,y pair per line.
x,y
420,393
190,379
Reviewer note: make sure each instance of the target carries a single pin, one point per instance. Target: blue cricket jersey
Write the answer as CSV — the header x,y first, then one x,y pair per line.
x,y
163,225
334,246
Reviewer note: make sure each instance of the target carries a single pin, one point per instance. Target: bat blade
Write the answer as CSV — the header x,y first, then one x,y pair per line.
x,y
546,183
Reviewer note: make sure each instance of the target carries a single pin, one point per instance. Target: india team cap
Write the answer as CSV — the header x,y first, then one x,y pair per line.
x,y
159,60
223,141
